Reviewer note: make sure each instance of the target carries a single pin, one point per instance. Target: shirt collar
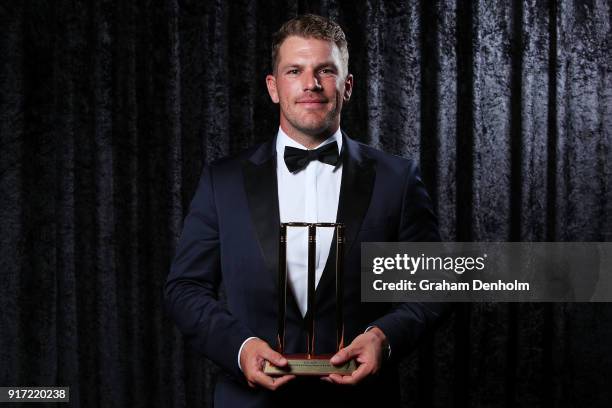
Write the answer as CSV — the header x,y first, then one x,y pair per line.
x,y
282,140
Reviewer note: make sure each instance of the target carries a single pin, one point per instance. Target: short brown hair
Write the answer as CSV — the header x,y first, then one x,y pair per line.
x,y
311,26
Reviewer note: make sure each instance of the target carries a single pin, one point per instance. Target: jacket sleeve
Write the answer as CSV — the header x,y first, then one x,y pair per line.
x,y
192,287
406,323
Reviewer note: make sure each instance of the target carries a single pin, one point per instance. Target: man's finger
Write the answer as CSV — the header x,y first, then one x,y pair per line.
x,y
271,383
278,381
359,374
263,380
275,358
343,355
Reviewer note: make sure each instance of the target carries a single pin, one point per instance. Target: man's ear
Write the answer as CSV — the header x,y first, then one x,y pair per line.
x,y
271,84
348,87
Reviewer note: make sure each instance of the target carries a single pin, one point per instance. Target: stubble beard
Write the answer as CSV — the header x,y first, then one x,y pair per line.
x,y
318,129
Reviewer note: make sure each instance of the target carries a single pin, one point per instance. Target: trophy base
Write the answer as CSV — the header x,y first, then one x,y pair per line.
x,y
302,364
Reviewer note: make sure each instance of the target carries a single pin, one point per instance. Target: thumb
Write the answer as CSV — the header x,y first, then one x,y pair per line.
x,y
272,356
343,355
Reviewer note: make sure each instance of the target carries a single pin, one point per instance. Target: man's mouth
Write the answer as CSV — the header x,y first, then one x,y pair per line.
x,y
311,103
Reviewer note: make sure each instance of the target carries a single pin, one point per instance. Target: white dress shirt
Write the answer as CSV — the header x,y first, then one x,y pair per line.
x,y
309,195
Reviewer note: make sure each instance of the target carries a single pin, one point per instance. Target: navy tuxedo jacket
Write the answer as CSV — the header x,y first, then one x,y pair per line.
x,y
222,287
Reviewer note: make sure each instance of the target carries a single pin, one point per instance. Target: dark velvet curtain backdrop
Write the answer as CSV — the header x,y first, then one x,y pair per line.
x,y
108,111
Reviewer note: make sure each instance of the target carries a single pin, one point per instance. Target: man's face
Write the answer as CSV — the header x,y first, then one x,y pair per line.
x,y
310,86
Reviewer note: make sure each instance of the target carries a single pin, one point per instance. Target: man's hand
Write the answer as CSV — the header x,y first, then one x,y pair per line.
x,y
252,359
367,350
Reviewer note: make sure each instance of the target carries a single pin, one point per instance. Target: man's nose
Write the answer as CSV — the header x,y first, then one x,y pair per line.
x,y
311,81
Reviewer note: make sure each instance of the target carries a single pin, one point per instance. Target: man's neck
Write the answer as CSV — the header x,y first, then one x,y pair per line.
x,y
309,141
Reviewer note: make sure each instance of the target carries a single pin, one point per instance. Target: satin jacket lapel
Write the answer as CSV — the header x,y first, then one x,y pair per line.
x,y
356,189
262,193
261,187
358,175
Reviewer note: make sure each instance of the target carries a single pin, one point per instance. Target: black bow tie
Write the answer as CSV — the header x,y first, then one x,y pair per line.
x,y
297,159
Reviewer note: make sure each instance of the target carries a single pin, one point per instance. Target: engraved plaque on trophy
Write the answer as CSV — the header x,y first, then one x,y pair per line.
x,y
310,363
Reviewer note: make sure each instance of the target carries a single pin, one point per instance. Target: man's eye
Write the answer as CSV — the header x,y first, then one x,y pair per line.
x,y
327,71
293,71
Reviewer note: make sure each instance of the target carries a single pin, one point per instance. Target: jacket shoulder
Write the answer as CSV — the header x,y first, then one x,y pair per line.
x,y
388,162
236,160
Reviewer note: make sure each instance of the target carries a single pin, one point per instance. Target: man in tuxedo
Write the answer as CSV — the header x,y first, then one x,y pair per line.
x,y
222,289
